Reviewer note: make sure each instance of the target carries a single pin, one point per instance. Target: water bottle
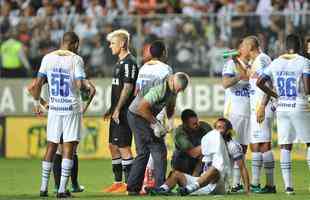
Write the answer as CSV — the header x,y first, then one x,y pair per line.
x,y
230,53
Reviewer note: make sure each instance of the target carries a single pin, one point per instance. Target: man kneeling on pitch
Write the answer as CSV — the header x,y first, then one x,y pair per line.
x,y
219,152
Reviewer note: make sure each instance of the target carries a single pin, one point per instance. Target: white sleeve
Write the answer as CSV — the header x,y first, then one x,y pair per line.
x,y
228,69
306,68
264,62
266,73
218,157
43,68
79,72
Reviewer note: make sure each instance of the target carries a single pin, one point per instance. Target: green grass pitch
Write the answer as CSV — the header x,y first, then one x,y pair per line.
x,y
20,179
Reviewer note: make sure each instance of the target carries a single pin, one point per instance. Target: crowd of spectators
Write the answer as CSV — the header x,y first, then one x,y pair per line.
x,y
196,31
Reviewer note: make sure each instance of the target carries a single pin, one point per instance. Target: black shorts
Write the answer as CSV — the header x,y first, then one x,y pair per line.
x,y
120,134
182,162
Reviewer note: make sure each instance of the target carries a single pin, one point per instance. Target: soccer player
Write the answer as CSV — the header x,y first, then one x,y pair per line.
x,y
152,72
187,139
290,75
76,187
260,124
219,153
149,132
125,74
64,71
237,105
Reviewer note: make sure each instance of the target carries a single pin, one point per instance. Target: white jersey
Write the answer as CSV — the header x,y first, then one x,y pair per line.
x,y
286,74
260,63
214,151
237,97
152,72
62,68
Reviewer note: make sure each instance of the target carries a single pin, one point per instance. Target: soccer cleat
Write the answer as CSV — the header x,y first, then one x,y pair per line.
x,y
62,195
43,194
113,187
237,189
268,190
159,191
121,189
183,191
255,188
289,191
78,188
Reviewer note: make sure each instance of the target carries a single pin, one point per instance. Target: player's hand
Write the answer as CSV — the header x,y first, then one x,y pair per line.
x,y
159,129
107,115
260,114
115,116
37,110
170,124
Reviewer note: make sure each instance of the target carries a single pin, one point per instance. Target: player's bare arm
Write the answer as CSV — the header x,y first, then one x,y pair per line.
x,y
306,80
92,92
36,93
260,114
194,152
244,175
261,83
144,110
125,94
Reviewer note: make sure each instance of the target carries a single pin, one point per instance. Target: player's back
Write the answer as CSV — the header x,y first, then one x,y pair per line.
x,y
62,68
151,73
287,74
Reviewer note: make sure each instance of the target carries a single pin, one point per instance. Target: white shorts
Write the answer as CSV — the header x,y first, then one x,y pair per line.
x,y
241,125
261,132
293,127
213,189
67,125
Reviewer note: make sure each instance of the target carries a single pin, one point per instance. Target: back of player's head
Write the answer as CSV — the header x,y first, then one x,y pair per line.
x,y
157,49
182,80
293,43
70,38
122,35
186,114
253,41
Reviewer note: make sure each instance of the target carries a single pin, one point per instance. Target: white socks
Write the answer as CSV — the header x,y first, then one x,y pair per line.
x,y
286,167
236,175
46,171
66,167
165,187
193,187
257,162
268,160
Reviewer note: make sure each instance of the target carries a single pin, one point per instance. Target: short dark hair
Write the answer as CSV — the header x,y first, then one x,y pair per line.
x,y
186,114
228,124
157,49
293,42
70,38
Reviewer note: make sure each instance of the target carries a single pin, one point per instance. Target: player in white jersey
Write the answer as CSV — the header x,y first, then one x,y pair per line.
x,y
261,118
290,75
152,72
64,71
219,152
237,105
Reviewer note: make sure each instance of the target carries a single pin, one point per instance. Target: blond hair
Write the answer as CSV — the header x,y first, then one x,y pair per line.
x,y
121,34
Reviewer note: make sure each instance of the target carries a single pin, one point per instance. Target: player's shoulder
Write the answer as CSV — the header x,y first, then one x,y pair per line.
x,y
129,60
264,59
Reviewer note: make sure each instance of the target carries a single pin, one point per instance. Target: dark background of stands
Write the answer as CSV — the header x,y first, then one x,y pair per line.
x,y
195,31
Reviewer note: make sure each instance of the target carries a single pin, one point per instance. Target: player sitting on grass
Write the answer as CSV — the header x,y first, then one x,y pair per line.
x,y
219,152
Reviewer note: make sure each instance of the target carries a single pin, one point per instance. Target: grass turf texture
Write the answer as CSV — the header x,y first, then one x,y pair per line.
x,y
20,179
